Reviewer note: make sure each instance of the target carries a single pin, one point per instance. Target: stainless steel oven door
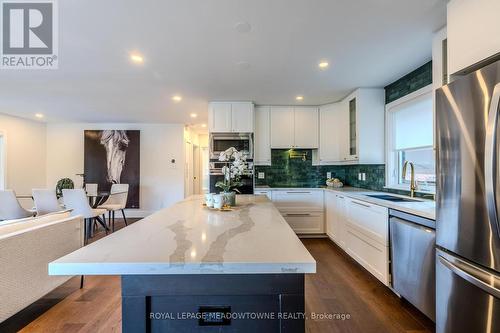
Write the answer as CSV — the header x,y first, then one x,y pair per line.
x,y
242,142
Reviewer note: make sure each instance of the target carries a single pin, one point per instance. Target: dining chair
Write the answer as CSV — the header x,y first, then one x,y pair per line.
x,y
77,201
45,201
91,188
10,208
117,201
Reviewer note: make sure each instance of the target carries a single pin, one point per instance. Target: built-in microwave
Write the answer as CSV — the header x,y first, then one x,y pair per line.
x,y
219,142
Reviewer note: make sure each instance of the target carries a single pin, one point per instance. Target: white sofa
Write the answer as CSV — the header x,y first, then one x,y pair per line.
x,y
26,248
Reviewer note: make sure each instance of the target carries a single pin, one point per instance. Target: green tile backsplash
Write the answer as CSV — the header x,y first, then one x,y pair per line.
x,y
409,83
286,171
297,172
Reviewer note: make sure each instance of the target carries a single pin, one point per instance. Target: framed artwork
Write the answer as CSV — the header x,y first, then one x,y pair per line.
x,y
113,157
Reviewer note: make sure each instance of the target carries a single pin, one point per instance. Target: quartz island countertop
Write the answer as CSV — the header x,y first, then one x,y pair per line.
x,y
188,238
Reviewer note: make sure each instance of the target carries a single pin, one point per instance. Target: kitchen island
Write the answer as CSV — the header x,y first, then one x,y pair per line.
x,y
189,268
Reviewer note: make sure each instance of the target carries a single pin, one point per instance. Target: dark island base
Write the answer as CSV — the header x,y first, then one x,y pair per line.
x,y
213,303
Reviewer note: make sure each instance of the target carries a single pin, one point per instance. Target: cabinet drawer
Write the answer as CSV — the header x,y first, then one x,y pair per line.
x,y
370,254
305,223
298,199
368,219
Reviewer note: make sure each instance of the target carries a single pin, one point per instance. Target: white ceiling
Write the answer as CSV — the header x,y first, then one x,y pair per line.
x,y
192,48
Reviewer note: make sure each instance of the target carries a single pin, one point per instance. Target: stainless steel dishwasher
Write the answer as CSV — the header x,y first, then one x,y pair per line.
x,y
413,259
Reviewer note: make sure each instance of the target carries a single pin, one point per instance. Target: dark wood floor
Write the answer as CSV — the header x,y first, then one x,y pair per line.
x,y
340,288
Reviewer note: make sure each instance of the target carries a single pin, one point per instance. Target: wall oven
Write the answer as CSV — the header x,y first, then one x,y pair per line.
x,y
219,142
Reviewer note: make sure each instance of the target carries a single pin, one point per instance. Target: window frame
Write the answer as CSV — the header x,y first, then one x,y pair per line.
x,y
391,153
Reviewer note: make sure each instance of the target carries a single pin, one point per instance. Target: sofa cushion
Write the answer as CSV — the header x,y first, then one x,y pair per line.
x,y
12,226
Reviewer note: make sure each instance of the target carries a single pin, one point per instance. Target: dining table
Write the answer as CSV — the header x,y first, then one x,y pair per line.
x,y
97,198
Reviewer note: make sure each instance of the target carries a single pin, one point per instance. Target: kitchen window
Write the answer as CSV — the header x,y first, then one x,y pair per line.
x,y
410,137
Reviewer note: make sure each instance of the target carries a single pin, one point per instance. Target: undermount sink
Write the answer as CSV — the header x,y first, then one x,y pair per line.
x,y
389,197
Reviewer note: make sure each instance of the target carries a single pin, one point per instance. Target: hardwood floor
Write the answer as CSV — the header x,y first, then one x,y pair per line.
x,y
340,287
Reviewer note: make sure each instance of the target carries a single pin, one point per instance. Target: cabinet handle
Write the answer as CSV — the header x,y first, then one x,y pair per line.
x,y
299,192
360,204
298,214
340,197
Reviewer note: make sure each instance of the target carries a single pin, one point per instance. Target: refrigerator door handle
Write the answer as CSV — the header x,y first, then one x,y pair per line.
x,y
490,158
476,280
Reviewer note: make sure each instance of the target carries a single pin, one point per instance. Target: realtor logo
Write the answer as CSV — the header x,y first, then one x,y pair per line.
x,y
29,34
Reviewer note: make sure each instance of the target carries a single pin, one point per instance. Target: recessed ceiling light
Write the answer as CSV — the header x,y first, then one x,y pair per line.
x,y
299,98
243,27
137,58
177,98
203,125
39,115
193,115
323,65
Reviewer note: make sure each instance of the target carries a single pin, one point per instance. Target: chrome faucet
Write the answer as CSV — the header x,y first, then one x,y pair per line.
x,y
413,184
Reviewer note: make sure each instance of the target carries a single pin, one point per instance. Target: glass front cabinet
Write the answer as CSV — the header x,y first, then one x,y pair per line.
x,y
353,142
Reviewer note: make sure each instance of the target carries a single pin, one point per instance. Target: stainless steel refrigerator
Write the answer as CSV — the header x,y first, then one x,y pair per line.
x,y
468,203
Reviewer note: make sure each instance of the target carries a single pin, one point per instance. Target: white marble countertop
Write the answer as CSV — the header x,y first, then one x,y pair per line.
x,y
419,207
188,238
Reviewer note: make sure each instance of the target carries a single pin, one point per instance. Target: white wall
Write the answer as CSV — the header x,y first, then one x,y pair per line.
x,y
161,182
25,154
473,32
203,140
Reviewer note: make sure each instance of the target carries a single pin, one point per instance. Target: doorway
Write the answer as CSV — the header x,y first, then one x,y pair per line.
x,y
188,174
196,170
196,179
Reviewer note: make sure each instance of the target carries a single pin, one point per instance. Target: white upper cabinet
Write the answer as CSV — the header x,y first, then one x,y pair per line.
x,y
306,127
219,117
361,126
242,117
473,30
294,127
330,133
262,140
224,117
282,127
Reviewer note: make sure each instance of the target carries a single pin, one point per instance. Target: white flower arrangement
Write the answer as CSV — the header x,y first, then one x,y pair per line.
x,y
233,171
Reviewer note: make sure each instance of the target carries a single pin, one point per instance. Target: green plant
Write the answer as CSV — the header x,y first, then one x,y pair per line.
x,y
64,184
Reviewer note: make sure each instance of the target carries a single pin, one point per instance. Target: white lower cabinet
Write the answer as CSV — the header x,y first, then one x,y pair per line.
x,y
335,217
302,209
298,200
362,230
369,220
367,237
373,256
305,223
